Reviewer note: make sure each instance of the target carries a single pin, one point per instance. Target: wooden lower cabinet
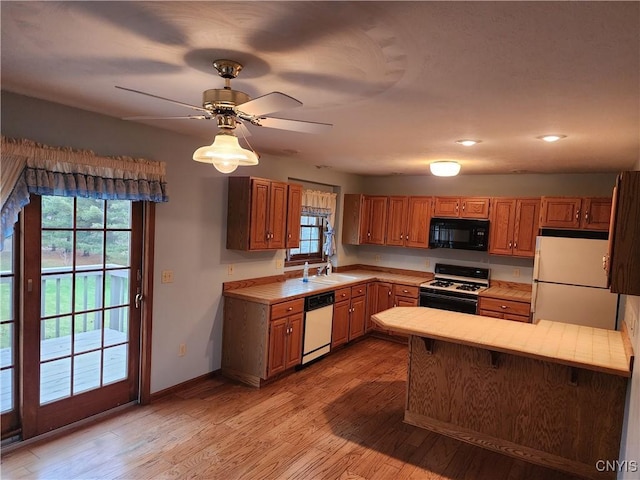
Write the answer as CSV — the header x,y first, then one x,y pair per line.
x,y
380,297
349,313
285,343
405,296
505,309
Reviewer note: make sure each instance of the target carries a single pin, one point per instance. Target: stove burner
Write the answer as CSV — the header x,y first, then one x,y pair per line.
x,y
468,287
441,283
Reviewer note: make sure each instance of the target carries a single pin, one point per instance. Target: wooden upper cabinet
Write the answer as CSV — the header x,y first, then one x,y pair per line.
x,y
623,262
397,216
596,213
256,214
408,221
463,207
294,211
591,213
365,219
514,226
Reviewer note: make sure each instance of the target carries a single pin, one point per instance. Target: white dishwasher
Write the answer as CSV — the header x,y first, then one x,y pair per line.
x,y
318,323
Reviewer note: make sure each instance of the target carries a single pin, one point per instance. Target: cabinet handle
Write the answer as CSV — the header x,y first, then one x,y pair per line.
x,y
401,236
405,291
510,244
407,237
456,207
605,263
344,294
289,236
586,216
515,245
577,214
368,234
464,205
289,309
503,307
389,292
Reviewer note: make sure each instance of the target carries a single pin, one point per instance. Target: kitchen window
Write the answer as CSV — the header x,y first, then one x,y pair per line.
x,y
312,238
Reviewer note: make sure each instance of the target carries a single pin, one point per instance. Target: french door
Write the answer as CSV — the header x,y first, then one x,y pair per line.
x,y
82,284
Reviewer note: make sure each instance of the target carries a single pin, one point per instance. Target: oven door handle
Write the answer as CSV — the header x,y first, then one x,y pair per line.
x,y
449,297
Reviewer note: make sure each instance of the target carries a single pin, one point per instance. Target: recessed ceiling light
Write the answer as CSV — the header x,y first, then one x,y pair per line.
x,y
468,142
551,138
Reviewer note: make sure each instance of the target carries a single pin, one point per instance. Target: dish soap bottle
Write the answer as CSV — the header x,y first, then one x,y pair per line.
x,y
305,272
329,267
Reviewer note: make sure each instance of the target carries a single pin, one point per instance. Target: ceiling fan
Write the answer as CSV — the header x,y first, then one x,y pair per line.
x,y
231,107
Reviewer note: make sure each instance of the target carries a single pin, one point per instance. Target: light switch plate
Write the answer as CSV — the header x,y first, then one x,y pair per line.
x,y
167,276
278,263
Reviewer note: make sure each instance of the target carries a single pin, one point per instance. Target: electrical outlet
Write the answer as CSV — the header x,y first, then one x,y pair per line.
x,y
278,263
182,350
516,272
230,269
377,258
167,276
427,263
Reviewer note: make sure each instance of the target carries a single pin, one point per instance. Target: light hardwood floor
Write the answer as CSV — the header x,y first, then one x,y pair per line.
x,y
339,418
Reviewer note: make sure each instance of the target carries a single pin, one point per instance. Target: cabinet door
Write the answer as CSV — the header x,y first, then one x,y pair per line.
x,y
294,211
474,207
340,328
294,341
417,233
258,239
277,346
503,212
596,213
382,299
377,220
277,215
397,220
526,227
560,212
356,320
446,207
405,302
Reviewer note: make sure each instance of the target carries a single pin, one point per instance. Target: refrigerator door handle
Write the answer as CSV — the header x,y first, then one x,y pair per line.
x,y
534,295
536,265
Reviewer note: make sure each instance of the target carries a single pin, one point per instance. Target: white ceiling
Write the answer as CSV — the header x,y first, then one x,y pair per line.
x,y
400,81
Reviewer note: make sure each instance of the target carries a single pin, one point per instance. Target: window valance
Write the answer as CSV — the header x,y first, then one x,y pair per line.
x,y
316,202
29,167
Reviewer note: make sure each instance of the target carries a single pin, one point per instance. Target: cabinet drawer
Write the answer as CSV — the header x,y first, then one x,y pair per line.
x,y
285,309
517,318
343,294
405,291
504,306
358,290
489,313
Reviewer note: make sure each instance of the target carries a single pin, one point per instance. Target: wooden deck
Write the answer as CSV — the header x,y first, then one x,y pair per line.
x,y
56,375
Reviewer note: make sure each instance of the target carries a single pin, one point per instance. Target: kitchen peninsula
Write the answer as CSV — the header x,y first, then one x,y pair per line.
x,y
550,393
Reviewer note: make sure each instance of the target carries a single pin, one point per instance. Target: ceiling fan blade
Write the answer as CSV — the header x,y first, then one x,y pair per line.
x,y
194,107
269,103
187,117
293,125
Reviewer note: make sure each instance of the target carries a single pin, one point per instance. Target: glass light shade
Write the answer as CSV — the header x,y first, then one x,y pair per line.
x,y
445,169
468,143
551,138
225,153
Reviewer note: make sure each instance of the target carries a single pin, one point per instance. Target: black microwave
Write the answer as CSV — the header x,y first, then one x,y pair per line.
x,y
460,233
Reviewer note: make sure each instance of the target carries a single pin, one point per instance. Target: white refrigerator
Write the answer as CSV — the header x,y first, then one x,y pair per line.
x,y
570,285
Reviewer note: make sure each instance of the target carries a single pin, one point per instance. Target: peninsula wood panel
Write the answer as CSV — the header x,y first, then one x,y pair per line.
x,y
562,417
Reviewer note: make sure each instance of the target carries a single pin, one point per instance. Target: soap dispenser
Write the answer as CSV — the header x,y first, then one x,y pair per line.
x,y
305,272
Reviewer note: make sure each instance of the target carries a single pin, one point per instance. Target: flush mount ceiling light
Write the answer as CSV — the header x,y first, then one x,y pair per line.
x,y
445,168
551,138
225,153
468,142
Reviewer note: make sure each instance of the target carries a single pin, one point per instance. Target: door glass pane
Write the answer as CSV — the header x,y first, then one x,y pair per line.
x,y
57,246
118,214
55,334
88,332
57,212
90,213
116,326
55,380
89,249
115,364
6,344
117,288
118,245
86,371
88,291
56,294
6,390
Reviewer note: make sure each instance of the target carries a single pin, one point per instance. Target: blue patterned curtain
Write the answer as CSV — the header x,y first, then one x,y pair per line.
x,y
29,167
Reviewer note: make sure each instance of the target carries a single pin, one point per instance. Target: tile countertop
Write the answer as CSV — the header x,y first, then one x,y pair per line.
x,y
504,293
573,345
295,288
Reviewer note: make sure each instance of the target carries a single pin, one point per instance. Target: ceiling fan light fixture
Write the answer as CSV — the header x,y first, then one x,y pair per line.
x,y
445,168
225,153
551,138
468,142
